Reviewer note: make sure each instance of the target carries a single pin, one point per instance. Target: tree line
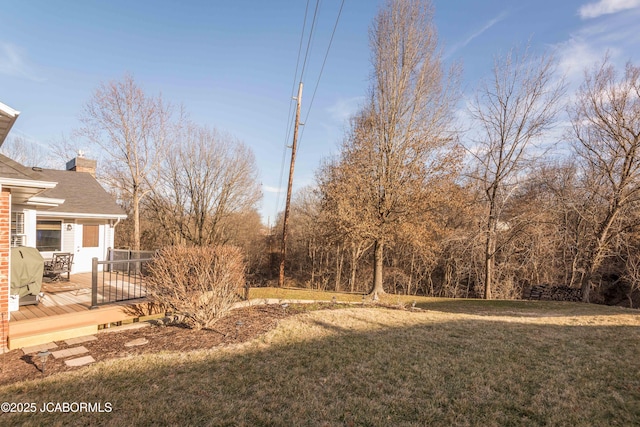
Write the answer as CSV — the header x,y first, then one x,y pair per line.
x,y
486,212
417,201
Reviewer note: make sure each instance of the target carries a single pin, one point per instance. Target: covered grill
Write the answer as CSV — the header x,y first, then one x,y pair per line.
x,y
27,267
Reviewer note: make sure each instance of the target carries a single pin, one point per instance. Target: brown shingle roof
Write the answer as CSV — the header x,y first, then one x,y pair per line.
x,y
81,192
14,170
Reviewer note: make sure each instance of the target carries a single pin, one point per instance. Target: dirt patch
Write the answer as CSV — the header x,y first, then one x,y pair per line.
x,y
240,325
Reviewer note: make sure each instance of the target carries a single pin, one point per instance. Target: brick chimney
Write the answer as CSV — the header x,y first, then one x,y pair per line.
x,y
82,164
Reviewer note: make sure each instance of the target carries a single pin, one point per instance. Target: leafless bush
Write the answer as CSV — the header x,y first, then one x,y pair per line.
x,y
199,283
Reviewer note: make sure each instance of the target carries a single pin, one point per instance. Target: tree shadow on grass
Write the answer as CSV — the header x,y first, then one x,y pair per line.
x,y
522,308
456,372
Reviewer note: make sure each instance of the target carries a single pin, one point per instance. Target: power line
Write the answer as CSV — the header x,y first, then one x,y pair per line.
x,y
308,51
304,64
289,115
326,55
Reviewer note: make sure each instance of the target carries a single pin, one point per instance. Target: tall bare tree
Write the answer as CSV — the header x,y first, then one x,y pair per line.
x,y
399,144
26,152
131,129
206,177
606,131
513,109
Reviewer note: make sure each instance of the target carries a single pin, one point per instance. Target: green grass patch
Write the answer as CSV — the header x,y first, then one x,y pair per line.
x,y
451,363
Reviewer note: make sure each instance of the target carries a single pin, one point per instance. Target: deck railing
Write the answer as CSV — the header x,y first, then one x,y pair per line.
x,y
125,255
111,285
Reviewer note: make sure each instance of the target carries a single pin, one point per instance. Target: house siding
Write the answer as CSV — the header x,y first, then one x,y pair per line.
x,y
108,238
71,240
68,237
30,226
5,243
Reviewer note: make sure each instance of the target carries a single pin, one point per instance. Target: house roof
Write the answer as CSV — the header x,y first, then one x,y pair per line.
x,y
55,192
82,194
8,117
24,182
14,170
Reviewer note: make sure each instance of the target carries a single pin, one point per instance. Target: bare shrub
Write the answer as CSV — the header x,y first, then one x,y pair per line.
x,y
198,283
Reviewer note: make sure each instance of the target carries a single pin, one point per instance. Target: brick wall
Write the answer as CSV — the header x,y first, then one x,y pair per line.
x,y
5,239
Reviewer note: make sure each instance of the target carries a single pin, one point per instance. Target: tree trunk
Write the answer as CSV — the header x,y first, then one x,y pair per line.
x,y
136,220
354,265
378,254
489,260
595,258
313,265
413,255
586,286
339,262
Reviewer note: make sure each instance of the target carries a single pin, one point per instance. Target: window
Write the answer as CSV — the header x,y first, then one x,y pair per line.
x,y
49,235
90,236
18,238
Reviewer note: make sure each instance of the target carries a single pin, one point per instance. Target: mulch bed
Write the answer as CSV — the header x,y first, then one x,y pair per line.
x,y
16,366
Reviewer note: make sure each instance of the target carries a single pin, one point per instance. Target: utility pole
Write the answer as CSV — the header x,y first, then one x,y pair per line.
x,y
290,184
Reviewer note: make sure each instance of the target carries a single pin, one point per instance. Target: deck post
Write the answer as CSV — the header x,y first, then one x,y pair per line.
x,y
94,283
5,253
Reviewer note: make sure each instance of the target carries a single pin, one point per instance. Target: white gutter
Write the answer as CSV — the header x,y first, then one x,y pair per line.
x,y
80,215
44,201
9,111
27,183
12,115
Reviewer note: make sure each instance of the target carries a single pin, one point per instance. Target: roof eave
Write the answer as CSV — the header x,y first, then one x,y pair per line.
x,y
44,201
80,215
12,115
26,183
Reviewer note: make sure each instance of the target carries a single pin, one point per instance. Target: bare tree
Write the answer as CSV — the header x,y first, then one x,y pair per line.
x,y
513,109
207,176
131,129
26,152
606,130
244,229
399,143
64,148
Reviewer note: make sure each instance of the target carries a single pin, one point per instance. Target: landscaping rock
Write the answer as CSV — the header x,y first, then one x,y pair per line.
x,y
80,361
61,354
137,342
37,348
79,340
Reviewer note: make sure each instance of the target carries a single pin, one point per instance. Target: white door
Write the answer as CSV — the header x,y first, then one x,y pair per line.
x,y
89,244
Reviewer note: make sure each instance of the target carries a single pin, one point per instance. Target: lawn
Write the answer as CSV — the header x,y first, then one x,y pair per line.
x,y
452,362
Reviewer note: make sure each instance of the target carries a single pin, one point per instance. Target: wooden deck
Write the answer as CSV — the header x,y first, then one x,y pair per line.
x,y
65,312
61,297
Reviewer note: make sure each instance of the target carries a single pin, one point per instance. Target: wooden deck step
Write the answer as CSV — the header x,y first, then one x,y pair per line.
x,y
30,332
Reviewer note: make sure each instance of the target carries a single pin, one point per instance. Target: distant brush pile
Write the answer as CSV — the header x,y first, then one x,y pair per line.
x,y
552,293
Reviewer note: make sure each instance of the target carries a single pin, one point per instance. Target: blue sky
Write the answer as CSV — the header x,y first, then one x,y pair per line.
x,y
232,63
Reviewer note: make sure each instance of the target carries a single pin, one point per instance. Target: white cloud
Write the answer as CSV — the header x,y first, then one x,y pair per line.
x,y
270,189
343,109
13,62
616,35
606,7
476,34
577,54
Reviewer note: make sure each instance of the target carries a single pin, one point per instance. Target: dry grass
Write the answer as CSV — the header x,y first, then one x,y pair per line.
x,y
317,295
452,363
